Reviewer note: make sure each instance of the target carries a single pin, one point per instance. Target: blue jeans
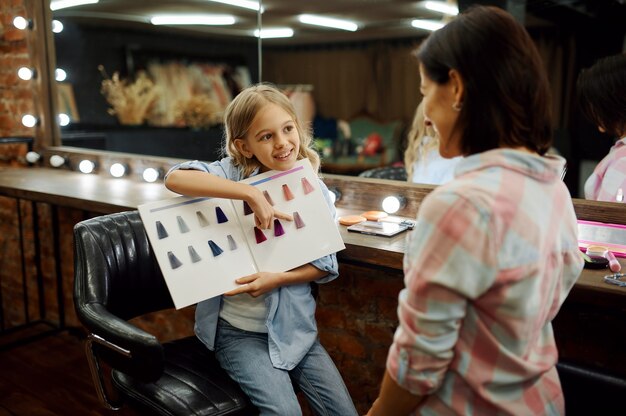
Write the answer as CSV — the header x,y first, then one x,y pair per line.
x,y
245,357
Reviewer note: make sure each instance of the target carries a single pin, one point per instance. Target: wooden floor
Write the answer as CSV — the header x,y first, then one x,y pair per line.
x,y
48,376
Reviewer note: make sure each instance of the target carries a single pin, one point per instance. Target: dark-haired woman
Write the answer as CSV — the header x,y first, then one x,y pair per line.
x,y
494,252
602,98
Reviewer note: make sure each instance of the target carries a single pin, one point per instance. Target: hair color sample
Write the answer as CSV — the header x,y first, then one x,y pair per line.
x,y
260,237
298,220
287,193
231,243
174,262
221,217
308,188
246,208
268,197
182,225
278,228
202,219
215,248
193,254
161,231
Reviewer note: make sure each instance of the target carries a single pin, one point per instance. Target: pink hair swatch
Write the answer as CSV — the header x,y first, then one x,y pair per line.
x,y
278,228
298,220
308,188
287,192
260,237
268,197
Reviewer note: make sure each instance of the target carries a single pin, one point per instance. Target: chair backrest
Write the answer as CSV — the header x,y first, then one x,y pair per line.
x,y
115,267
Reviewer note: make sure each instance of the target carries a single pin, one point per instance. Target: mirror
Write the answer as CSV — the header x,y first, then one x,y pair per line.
x,y
570,36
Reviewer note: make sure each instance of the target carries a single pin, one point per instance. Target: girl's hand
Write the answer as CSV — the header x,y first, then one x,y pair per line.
x,y
256,284
264,213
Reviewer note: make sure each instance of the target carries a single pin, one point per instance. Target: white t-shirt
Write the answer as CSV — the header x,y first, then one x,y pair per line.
x,y
433,169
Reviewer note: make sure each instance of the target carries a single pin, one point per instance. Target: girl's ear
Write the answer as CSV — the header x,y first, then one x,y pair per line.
x,y
458,87
242,146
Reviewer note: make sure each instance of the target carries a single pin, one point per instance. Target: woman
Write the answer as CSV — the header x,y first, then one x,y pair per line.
x,y
494,252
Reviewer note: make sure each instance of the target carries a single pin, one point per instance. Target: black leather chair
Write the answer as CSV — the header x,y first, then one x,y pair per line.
x,y
117,278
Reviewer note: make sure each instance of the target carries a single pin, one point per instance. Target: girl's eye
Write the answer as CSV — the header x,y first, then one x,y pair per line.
x,y
289,128
265,137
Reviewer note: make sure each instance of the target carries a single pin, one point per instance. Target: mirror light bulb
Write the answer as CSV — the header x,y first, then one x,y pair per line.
x,y
150,175
25,73
60,75
57,26
56,161
29,120
117,170
391,204
21,23
32,157
64,119
86,166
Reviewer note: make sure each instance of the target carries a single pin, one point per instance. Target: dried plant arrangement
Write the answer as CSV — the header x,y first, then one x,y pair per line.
x,y
199,111
130,101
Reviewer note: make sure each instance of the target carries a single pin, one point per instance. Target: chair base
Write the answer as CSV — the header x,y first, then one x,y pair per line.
x,y
193,383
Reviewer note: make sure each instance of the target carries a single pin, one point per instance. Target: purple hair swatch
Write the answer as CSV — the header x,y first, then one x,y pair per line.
x,y
278,228
231,243
215,248
161,232
221,217
195,257
298,220
246,208
260,237
202,219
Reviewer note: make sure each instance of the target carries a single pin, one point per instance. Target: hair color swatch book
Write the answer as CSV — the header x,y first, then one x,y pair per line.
x,y
203,244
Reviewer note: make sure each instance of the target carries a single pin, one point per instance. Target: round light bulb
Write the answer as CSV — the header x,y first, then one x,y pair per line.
x,y
391,204
25,73
20,23
29,120
60,75
32,157
117,170
64,119
56,161
86,166
57,26
150,175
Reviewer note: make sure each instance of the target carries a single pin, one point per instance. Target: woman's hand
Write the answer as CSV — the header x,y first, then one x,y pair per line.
x,y
257,284
264,213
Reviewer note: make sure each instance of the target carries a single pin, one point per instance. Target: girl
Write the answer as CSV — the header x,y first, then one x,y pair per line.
x,y
423,162
494,252
264,333
602,96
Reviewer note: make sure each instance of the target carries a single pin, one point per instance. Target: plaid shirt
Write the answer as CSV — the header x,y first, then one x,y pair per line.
x,y
609,176
492,257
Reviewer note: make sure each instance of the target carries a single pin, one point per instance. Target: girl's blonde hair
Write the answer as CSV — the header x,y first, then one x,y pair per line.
x,y
416,149
241,112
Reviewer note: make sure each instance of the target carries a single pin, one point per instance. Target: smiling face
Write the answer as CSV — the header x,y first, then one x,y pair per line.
x,y
272,138
439,101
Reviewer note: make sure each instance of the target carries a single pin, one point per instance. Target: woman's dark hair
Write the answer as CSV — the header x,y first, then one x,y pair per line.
x,y
507,98
601,92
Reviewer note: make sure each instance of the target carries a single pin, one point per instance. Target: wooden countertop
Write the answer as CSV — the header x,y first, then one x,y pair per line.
x,y
104,195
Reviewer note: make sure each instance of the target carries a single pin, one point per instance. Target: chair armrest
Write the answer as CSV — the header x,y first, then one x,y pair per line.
x,y
144,357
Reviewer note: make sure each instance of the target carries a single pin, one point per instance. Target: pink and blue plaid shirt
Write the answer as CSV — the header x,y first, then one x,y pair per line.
x,y
492,257
609,176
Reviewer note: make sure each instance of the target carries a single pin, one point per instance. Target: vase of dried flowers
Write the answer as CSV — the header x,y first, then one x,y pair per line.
x,y
197,112
130,101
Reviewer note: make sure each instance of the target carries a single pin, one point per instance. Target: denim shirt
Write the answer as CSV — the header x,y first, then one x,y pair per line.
x,y
291,325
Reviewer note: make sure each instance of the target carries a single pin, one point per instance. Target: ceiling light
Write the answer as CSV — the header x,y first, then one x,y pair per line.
x,y
193,19
29,120
246,4
431,25
328,22
278,32
25,73
21,23
63,4
438,6
57,26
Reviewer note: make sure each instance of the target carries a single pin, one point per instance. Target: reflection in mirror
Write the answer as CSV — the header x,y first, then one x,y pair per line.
x,y
356,80
140,79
